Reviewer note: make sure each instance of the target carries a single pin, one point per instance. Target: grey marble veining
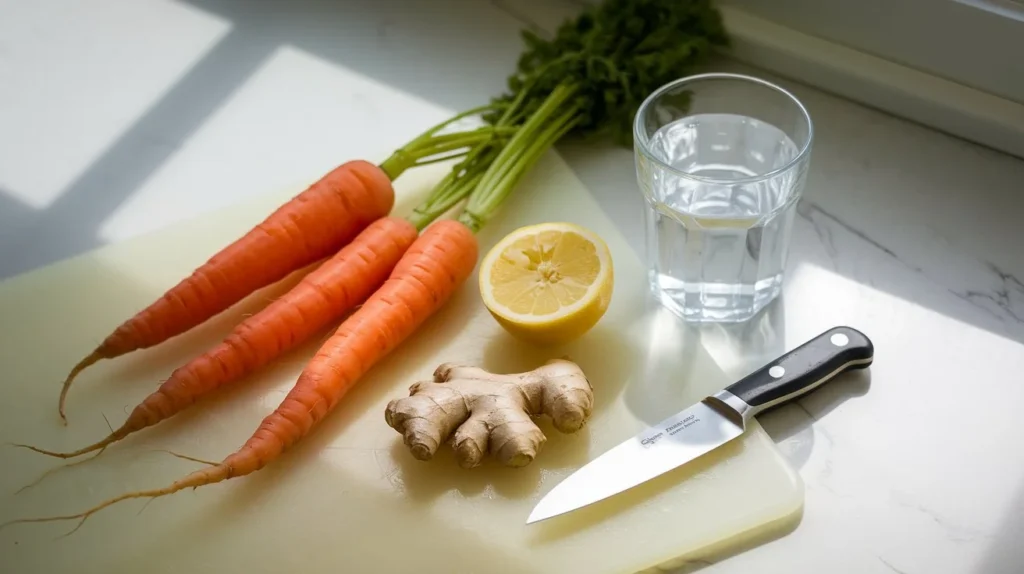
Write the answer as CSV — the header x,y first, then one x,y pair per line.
x,y
996,296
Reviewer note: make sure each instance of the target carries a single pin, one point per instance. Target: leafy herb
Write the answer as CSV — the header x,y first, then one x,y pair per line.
x,y
589,79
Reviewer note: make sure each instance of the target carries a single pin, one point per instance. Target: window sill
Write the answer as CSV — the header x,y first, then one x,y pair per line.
x,y
942,104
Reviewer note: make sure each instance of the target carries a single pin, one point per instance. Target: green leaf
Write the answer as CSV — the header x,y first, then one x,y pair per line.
x,y
617,53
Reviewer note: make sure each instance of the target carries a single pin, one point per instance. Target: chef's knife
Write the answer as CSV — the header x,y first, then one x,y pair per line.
x,y
710,423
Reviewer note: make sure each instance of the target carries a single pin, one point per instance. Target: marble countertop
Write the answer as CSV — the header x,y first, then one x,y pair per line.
x,y
119,118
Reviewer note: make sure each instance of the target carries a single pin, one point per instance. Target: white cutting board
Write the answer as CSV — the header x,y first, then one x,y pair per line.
x,y
350,498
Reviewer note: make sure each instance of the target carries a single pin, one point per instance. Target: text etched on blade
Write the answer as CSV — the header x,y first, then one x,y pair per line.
x,y
671,429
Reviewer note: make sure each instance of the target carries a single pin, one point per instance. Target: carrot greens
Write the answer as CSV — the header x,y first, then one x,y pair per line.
x,y
589,79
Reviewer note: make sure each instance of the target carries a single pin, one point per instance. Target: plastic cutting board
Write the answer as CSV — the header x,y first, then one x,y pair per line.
x,y
351,498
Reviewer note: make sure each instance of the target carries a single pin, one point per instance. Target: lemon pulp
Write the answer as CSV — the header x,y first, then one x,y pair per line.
x,y
548,283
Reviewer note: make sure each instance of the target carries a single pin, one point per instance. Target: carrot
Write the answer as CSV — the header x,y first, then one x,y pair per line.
x,y
553,93
322,297
311,226
438,262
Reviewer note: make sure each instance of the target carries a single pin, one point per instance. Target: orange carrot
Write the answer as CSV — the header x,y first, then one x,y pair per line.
x,y
425,278
311,226
321,298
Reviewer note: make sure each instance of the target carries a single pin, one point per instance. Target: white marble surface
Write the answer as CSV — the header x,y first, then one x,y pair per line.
x,y
117,118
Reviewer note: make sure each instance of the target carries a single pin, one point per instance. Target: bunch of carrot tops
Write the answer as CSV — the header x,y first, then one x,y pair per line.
x,y
381,276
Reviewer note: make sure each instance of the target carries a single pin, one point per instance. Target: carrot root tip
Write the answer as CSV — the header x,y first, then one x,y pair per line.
x,y
186,457
92,359
40,450
100,446
144,506
56,469
75,529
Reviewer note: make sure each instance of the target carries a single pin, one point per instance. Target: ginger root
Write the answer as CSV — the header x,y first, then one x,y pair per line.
x,y
491,412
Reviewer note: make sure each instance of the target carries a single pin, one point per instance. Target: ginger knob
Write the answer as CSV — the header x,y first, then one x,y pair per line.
x,y
484,412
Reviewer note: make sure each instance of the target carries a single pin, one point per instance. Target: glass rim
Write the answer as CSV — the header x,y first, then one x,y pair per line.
x,y
643,140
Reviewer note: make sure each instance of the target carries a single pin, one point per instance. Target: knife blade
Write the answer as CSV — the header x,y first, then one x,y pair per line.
x,y
709,424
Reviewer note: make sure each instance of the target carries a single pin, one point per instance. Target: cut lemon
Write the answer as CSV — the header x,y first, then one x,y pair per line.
x,y
548,283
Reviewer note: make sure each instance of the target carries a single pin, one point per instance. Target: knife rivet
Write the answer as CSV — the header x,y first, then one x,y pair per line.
x,y
776,372
839,340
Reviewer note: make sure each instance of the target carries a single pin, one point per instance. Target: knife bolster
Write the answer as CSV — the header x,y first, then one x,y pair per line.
x,y
731,407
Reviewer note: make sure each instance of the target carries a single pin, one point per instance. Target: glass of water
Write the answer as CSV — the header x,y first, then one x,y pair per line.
x,y
721,160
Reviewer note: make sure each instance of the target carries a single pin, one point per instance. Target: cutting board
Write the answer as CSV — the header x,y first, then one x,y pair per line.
x,y
350,498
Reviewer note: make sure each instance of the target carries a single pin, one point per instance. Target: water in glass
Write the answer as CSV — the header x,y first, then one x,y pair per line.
x,y
717,229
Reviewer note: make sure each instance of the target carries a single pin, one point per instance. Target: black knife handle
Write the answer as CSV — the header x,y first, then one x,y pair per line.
x,y
804,369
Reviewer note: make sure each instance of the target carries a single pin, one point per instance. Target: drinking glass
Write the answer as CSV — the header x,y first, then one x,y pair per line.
x,y
721,160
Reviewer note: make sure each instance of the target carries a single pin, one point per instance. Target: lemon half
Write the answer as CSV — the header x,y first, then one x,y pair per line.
x,y
547,283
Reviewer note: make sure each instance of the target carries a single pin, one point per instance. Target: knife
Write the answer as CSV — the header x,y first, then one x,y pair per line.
x,y
710,423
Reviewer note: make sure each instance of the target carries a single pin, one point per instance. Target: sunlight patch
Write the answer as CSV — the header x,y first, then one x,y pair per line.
x,y
77,75
294,120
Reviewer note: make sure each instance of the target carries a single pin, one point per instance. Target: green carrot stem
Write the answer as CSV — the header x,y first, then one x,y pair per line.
x,y
443,144
485,201
462,115
402,158
548,123
527,132
439,159
423,216
454,187
532,154
466,138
